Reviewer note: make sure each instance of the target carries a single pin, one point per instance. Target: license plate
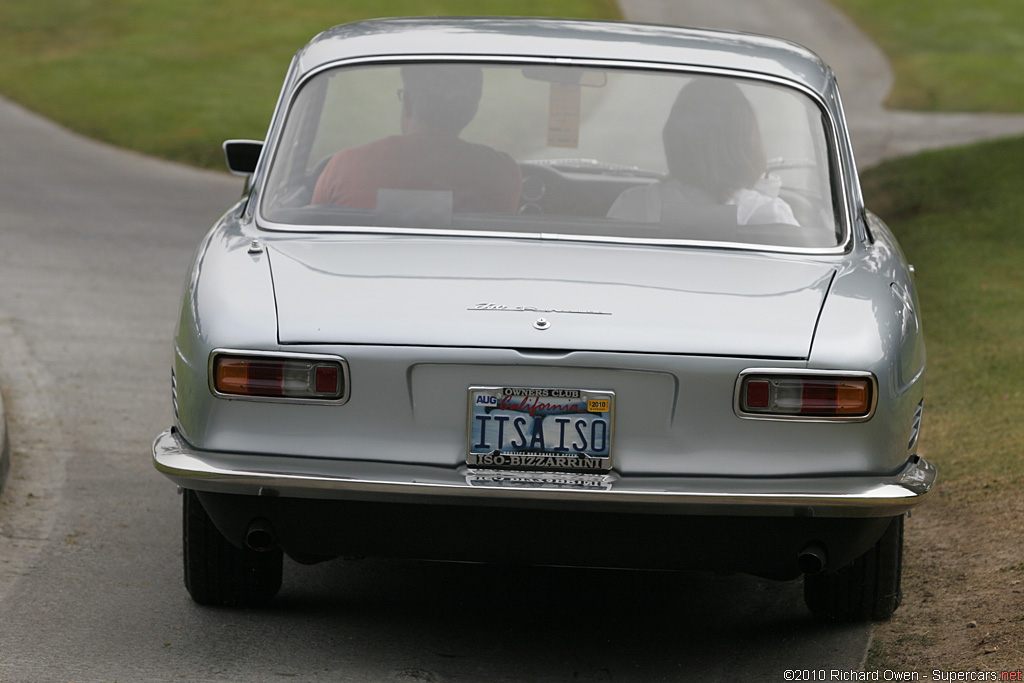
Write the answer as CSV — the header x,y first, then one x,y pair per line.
x,y
520,428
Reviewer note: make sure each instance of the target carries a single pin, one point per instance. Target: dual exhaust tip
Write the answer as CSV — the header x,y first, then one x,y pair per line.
x,y
260,536
812,559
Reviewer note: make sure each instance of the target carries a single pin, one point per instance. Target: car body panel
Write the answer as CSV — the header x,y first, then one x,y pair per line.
x,y
565,39
450,292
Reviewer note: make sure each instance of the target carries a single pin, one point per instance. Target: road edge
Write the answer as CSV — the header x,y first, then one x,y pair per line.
x,y
5,446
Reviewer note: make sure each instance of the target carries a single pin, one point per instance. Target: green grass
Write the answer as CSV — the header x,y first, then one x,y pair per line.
x,y
949,55
174,78
959,215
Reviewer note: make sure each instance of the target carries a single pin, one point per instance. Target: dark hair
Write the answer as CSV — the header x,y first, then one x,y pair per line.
x,y
443,96
712,139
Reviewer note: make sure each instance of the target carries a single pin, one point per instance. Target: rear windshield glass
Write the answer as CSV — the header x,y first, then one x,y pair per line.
x,y
579,153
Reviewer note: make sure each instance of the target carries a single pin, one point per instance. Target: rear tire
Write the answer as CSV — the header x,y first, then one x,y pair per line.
x,y
218,573
867,589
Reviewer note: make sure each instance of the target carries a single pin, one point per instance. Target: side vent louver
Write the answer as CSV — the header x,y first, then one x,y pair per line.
x,y
174,395
915,428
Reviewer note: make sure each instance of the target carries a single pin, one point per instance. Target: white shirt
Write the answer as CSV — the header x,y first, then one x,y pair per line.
x,y
755,206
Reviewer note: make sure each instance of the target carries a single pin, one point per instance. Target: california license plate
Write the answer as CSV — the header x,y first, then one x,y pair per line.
x,y
521,428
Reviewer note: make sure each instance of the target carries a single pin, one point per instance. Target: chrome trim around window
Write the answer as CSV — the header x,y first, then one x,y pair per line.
x,y
840,181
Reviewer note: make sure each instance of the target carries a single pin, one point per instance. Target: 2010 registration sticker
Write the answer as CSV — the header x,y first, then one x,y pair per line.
x,y
543,429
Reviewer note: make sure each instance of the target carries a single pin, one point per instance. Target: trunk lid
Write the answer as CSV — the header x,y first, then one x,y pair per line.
x,y
400,290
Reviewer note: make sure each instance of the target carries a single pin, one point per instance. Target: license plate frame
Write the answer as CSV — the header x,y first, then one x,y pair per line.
x,y
540,429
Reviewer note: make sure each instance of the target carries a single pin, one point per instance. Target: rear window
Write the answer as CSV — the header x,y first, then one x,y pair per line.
x,y
555,151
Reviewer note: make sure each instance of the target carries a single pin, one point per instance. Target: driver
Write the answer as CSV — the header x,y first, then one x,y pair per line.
x,y
438,102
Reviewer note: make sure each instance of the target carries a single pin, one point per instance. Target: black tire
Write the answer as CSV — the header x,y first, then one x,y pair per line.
x,y
867,589
218,573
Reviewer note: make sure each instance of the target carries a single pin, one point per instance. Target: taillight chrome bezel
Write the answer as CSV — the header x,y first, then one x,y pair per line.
x,y
340,397
772,374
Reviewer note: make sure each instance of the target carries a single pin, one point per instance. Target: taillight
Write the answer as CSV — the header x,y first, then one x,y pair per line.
x,y
288,377
812,396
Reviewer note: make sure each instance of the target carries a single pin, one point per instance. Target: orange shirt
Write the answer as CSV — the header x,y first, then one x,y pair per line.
x,y
480,178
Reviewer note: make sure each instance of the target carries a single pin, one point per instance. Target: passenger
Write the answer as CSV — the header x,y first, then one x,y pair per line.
x,y
438,102
715,157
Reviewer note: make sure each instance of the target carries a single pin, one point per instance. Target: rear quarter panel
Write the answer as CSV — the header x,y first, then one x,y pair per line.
x,y
870,321
228,302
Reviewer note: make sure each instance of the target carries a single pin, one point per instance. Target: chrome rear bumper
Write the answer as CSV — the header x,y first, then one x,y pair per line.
x,y
318,478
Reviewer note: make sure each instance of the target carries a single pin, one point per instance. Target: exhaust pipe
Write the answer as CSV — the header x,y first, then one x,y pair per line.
x,y
260,536
812,559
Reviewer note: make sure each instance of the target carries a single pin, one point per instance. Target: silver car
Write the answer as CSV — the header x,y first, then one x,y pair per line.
x,y
550,292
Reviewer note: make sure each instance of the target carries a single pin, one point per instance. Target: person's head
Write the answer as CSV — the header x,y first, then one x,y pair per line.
x,y
712,139
441,97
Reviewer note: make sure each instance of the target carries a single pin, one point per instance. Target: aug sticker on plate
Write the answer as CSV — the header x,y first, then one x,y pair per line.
x,y
540,429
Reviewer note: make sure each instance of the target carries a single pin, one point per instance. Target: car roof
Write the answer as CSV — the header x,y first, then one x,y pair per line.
x,y
566,38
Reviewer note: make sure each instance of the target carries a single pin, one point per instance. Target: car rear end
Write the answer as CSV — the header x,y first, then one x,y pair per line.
x,y
574,383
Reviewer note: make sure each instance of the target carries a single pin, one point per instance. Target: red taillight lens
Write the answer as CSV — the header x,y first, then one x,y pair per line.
x,y
758,393
278,377
327,379
811,396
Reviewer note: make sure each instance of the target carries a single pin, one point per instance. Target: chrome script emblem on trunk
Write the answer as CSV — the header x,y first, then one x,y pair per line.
x,y
531,309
